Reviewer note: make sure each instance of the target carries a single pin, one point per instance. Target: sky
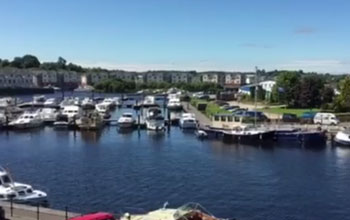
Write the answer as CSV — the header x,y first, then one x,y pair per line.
x,y
230,35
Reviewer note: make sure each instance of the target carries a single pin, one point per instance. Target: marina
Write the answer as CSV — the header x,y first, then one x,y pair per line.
x,y
115,170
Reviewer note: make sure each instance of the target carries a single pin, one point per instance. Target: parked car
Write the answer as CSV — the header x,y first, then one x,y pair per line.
x,y
95,216
307,117
326,119
287,117
231,108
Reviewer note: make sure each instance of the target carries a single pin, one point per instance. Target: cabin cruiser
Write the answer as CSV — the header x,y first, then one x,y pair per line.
x,y
62,122
48,115
39,99
87,103
174,104
342,137
92,121
190,211
51,102
110,102
154,119
149,101
103,110
126,120
27,120
67,101
72,111
18,192
188,120
8,101
2,119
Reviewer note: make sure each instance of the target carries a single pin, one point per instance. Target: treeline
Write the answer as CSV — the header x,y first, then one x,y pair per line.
x,y
118,85
298,90
30,61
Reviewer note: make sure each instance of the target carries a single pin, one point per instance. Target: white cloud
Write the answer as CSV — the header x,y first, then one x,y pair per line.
x,y
327,65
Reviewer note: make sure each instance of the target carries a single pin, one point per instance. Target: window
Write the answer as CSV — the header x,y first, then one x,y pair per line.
x,y
21,193
216,118
229,119
236,119
223,118
6,179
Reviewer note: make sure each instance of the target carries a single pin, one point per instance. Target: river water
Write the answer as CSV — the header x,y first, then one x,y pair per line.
x,y
116,172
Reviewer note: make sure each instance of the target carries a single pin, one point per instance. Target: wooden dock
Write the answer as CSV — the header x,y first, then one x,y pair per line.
x,y
25,212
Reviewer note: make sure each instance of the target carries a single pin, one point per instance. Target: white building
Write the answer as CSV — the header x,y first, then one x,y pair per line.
x,y
267,85
233,78
212,78
97,77
17,78
249,79
49,77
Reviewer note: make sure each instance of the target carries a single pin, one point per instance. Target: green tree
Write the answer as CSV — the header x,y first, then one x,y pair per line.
x,y
30,61
288,83
5,63
61,63
342,102
310,92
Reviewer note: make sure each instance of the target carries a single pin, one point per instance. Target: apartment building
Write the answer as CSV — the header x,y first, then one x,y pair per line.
x,y
210,77
17,78
155,77
179,77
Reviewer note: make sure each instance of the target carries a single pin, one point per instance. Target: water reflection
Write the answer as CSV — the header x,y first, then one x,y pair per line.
x,y
91,137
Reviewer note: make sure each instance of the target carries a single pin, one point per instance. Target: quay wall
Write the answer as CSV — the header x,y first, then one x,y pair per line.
x,y
26,212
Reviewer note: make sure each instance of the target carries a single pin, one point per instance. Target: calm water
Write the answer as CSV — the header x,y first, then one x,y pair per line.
x,y
114,171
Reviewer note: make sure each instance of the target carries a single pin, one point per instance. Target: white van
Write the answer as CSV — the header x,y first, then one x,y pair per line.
x,y
326,119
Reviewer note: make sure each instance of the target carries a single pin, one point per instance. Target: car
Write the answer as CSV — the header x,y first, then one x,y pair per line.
x,y
288,117
326,119
95,216
307,117
232,107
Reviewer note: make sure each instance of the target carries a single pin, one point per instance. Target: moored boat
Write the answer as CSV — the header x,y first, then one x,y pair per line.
x,y
342,138
188,121
154,119
18,192
126,120
27,120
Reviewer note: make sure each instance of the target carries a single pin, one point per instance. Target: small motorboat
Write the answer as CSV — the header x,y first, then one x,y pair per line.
x,y
342,138
126,120
18,192
201,134
87,103
188,121
154,119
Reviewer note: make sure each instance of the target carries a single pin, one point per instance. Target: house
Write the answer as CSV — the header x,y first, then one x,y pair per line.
x,y
18,78
96,77
233,79
70,79
249,79
49,77
267,85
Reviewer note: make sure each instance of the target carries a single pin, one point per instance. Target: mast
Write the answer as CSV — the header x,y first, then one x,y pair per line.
x,y
256,94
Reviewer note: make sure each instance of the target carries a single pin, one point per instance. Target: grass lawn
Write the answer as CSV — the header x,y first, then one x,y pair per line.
x,y
211,109
297,111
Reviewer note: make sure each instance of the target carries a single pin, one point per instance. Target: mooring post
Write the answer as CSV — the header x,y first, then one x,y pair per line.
x,y
66,209
37,211
11,207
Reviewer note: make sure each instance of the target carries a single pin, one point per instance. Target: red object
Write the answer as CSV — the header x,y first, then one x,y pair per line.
x,y
95,216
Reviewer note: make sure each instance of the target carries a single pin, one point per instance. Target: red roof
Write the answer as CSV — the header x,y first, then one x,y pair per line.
x,y
95,216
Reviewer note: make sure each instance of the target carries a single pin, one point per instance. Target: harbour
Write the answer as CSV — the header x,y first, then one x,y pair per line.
x,y
122,171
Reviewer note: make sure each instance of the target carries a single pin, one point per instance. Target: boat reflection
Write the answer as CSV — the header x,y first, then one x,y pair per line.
x,y
91,136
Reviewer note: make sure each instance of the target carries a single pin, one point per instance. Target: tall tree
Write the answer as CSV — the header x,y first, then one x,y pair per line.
x,y
287,87
343,100
310,92
30,61
16,62
61,63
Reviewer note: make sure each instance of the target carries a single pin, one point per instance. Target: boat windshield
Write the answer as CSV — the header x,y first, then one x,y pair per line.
x,y
6,179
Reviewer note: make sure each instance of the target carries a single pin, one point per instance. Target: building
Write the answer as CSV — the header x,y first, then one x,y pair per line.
x,y
233,79
210,77
179,77
18,78
70,79
96,77
49,77
267,85
249,79
157,77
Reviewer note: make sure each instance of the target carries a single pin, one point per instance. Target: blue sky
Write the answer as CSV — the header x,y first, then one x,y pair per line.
x,y
232,35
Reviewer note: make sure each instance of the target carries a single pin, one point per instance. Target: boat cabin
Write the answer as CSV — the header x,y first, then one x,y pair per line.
x,y
232,120
5,179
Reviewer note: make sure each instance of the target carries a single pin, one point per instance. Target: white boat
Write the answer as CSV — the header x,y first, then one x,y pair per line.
x,y
49,115
103,110
39,99
2,119
188,121
110,102
87,103
18,192
92,121
126,120
149,101
62,122
154,119
343,137
117,101
72,111
190,211
51,102
174,104
77,101
27,120
67,101
85,88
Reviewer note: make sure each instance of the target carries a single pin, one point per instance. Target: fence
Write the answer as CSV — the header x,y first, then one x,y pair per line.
x,y
24,212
